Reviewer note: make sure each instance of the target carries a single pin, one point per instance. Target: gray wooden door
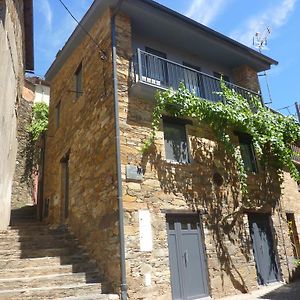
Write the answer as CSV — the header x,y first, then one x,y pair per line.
x,y
263,248
187,260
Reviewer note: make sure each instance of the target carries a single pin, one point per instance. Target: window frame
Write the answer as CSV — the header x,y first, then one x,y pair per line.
x,y
246,139
78,81
57,114
177,122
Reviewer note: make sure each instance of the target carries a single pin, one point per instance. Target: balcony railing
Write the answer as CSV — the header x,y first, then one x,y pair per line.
x,y
163,73
296,154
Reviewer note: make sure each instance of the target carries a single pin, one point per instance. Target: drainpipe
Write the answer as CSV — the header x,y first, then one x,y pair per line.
x,y
118,156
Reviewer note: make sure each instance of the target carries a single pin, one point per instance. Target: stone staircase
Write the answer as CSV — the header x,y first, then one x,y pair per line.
x,y
37,262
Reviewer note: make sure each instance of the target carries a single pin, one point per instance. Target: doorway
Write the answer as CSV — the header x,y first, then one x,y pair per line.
x,y
189,274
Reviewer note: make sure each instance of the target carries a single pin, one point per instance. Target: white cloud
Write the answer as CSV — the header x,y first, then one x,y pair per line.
x,y
45,9
205,11
273,17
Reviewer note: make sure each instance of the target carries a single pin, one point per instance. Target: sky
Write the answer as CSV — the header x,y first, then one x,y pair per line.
x,y
238,19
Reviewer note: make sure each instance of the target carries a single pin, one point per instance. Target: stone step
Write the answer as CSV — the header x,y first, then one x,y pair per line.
x,y
48,280
37,244
47,293
32,230
87,267
93,297
35,253
14,262
38,237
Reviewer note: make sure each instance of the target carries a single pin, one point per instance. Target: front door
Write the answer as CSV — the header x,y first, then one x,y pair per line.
x,y
263,248
187,260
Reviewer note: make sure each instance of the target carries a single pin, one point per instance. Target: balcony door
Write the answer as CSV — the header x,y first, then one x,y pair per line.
x,y
154,69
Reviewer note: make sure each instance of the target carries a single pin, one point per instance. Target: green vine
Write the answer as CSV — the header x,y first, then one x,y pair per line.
x,y
39,121
272,134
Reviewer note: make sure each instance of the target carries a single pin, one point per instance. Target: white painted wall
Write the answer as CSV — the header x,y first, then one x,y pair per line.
x,y
42,93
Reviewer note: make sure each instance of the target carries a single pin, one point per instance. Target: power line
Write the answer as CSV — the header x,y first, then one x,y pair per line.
x,y
102,52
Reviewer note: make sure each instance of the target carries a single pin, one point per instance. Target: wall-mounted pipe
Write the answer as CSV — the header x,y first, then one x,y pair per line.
x,y
118,155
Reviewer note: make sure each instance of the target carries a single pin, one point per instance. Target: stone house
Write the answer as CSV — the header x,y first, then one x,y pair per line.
x,y
155,222
16,48
24,189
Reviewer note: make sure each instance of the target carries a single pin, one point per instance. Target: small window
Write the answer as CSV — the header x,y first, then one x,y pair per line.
x,y
220,75
78,81
248,153
176,145
57,115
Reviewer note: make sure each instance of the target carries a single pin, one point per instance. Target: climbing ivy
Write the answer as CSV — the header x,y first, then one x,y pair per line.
x,y
39,121
272,134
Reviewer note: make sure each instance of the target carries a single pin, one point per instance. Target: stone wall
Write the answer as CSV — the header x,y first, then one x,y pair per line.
x,y
190,187
11,82
87,133
23,178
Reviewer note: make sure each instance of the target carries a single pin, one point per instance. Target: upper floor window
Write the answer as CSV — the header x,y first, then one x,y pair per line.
x,y
248,152
154,67
57,114
78,81
175,140
220,75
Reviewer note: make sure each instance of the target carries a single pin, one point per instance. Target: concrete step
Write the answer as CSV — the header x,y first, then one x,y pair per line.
x,y
48,281
87,267
47,293
15,262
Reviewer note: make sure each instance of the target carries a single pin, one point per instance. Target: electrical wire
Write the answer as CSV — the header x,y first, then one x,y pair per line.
x,y
102,52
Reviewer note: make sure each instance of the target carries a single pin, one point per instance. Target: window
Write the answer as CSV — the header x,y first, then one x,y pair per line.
x,y
220,75
57,115
248,153
176,145
78,81
154,67
193,80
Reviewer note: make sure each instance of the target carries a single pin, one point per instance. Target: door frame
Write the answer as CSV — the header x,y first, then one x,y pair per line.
x,y
275,248
188,216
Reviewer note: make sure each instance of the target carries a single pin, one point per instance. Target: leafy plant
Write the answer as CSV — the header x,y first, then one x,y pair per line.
x,y
272,134
39,121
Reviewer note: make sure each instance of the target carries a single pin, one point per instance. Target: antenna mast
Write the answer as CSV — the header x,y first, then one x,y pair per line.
x,y
260,41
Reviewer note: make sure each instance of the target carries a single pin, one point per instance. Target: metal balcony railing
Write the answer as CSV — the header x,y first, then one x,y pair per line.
x,y
296,154
163,73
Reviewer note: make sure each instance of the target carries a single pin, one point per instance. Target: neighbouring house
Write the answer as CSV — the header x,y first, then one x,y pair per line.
x,y
152,222
24,189
16,48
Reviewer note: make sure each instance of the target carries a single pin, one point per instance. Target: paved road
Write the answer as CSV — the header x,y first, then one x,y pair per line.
x,y
276,291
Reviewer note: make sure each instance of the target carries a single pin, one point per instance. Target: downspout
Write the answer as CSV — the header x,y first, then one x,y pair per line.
x,y
118,156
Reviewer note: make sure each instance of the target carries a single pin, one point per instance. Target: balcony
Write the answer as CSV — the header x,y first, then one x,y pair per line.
x,y
296,154
151,72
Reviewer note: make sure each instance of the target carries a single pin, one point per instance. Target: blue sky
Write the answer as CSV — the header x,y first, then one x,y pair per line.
x,y
235,18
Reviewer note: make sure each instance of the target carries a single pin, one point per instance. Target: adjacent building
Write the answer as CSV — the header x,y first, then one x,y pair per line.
x,y
16,48
154,222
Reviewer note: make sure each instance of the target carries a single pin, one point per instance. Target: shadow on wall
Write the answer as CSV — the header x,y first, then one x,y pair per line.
x,y
210,184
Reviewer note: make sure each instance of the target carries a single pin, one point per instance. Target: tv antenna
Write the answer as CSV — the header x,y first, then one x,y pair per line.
x,y
260,41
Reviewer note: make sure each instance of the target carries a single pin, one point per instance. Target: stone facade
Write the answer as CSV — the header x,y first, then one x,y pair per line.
x,y
87,133
11,83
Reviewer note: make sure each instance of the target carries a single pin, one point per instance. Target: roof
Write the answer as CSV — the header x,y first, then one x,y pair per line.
x,y
150,8
28,25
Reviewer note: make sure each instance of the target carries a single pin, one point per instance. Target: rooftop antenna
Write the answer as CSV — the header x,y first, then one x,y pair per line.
x,y
260,41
